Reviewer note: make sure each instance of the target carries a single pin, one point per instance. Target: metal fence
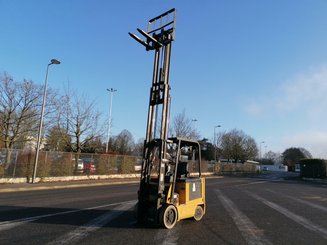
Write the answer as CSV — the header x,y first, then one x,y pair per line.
x,y
20,164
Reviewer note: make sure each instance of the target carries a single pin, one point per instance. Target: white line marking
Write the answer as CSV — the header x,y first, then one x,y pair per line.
x,y
169,237
5,225
253,183
324,209
9,225
297,218
251,233
91,226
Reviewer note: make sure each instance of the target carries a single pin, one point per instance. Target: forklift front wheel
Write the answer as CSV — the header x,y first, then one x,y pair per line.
x,y
168,216
198,214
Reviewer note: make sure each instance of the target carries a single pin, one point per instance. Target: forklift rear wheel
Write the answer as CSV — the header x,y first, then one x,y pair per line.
x,y
198,214
168,216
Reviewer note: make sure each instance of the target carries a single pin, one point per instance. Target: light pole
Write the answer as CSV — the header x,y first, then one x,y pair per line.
x,y
111,90
193,133
262,142
214,140
52,62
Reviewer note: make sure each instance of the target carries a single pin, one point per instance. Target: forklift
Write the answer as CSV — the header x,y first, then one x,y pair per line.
x,y
171,186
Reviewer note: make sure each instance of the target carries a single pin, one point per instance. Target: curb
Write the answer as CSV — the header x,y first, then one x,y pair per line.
x,y
68,178
322,181
40,188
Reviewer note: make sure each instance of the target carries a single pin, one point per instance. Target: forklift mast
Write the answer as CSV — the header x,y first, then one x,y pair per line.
x,y
159,36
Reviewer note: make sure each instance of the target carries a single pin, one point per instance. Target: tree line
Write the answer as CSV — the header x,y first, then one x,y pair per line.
x,y
72,124
71,120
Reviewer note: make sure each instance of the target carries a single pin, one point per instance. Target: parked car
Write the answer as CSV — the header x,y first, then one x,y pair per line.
x,y
80,166
265,168
88,166
138,165
137,168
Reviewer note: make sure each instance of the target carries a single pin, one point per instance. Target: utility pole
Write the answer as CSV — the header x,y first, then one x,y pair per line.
x,y
111,91
214,139
262,142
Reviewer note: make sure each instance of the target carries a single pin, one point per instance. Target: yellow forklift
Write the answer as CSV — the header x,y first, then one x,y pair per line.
x,y
171,186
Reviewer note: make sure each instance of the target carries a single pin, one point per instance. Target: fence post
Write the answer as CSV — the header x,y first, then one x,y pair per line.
x,y
14,170
46,158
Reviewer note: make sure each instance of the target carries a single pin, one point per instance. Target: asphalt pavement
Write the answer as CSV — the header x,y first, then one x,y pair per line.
x,y
8,187
269,208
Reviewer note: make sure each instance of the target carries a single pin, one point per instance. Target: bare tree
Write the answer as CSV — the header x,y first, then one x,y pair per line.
x,y
182,127
138,148
58,140
272,158
250,148
236,145
123,143
19,110
2,145
79,118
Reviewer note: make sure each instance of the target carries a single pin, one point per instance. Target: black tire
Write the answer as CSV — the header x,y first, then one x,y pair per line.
x,y
198,214
168,216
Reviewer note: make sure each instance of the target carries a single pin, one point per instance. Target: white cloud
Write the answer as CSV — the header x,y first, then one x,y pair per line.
x,y
253,109
297,108
314,141
305,91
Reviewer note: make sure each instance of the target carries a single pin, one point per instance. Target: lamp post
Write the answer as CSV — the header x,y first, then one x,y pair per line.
x,y
52,62
214,140
262,142
111,90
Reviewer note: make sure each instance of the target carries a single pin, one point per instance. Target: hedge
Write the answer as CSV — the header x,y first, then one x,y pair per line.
x,y
313,168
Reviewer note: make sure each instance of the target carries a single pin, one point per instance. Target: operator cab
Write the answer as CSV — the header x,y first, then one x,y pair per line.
x,y
175,190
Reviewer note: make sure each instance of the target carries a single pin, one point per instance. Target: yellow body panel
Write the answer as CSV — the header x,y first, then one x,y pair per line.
x,y
186,205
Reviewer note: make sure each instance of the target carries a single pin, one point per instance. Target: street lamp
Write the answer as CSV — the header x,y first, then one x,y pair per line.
x,y
262,142
52,62
111,90
214,140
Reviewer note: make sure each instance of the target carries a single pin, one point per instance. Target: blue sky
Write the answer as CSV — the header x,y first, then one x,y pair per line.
x,y
256,65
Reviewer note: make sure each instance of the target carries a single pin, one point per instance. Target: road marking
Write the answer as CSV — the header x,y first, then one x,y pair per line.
x,y
251,233
297,218
253,183
93,225
167,236
6,225
324,209
9,225
171,238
